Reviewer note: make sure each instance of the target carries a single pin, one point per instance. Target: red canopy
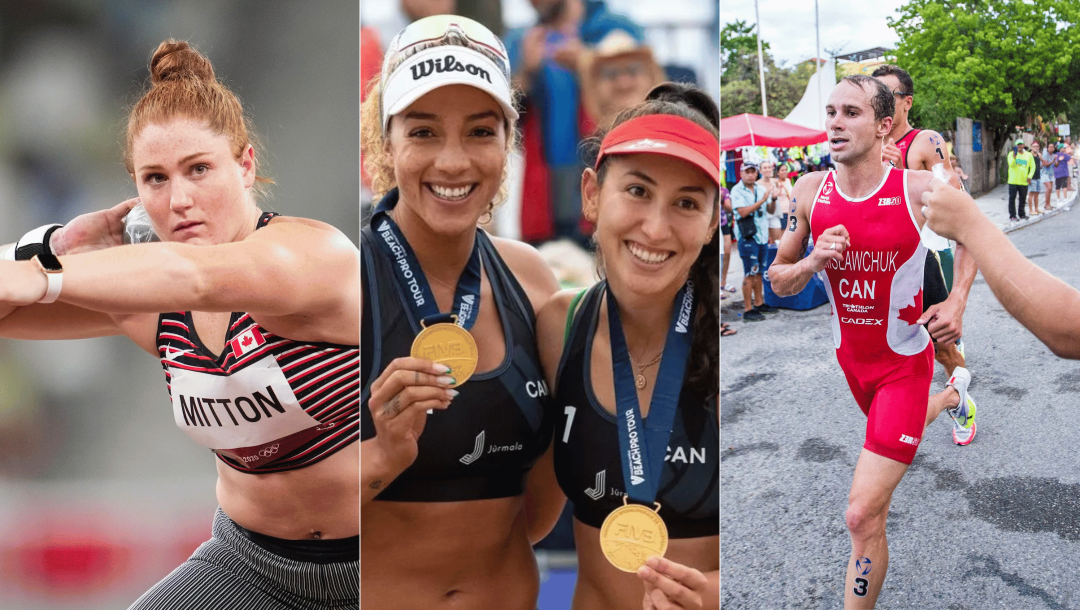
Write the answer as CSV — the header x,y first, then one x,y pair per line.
x,y
756,130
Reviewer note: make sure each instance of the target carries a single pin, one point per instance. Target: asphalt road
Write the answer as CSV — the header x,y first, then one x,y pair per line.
x,y
995,524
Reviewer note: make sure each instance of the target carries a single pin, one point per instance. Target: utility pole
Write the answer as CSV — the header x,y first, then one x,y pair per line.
x,y
760,61
817,66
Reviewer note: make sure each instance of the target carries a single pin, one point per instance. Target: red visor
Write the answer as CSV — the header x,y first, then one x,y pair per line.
x,y
665,134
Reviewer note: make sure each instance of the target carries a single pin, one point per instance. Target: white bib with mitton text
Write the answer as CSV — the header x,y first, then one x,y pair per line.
x,y
248,408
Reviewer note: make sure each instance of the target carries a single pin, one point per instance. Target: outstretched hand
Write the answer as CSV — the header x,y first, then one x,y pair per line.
x,y
949,211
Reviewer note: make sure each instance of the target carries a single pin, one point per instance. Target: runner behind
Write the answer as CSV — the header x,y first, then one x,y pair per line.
x,y
947,278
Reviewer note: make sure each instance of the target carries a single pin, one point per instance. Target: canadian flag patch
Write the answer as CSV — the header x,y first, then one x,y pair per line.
x,y
246,342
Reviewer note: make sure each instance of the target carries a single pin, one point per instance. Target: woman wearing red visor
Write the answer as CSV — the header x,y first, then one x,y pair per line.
x,y
634,363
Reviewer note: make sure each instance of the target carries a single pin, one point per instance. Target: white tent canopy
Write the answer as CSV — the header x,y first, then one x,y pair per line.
x,y
810,111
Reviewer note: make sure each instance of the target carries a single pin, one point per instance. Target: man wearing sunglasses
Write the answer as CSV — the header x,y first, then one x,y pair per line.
x,y
910,148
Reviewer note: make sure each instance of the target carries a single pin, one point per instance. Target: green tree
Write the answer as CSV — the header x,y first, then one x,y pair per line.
x,y
740,85
998,61
783,86
741,96
738,52
1072,114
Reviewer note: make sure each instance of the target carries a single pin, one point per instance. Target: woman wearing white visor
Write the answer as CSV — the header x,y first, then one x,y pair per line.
x,y
454,415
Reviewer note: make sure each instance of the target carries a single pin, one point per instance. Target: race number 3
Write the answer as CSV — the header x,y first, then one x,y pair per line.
x,y
860,587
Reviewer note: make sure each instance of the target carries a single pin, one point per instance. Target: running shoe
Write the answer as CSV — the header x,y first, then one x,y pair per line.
x,y
963,415
728,288
763,308
752,316
960,348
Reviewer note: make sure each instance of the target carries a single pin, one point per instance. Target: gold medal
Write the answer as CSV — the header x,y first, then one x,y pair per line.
x,y
447,344
631,534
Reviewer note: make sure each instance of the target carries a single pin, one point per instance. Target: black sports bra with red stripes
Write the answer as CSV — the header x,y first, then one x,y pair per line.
x,y
266,403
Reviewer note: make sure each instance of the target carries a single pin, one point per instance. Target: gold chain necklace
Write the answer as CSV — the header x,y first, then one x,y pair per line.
x,y
442,283
639,379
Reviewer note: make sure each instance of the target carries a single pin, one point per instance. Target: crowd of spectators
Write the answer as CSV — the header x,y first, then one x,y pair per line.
x,y
1039,172
797,160
576,67
756,212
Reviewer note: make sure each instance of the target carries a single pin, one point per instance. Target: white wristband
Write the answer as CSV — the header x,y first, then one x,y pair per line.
x,y
35,241
55,281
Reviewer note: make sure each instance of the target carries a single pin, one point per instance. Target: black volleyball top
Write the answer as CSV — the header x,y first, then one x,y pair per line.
x,y
266,403
587,454
497,427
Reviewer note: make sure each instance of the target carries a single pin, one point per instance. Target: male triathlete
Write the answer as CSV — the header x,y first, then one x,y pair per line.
x,y
944,302
865,219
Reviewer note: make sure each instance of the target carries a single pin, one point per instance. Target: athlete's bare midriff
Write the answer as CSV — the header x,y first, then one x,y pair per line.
x,y
601,586
320,500
472,555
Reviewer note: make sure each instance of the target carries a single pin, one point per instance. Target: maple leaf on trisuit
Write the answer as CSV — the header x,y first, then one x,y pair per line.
x,y
246,341
911,313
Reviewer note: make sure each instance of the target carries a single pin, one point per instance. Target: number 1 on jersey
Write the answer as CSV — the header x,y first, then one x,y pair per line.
x,y
569,410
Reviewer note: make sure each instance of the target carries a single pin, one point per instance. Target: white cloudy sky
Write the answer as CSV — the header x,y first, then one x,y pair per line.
x,y
788,25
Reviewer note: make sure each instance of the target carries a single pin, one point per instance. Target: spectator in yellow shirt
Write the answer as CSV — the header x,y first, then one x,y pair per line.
x,y
1021,168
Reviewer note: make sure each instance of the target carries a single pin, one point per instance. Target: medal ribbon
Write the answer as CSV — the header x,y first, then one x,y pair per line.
x,y
411,277
643,444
